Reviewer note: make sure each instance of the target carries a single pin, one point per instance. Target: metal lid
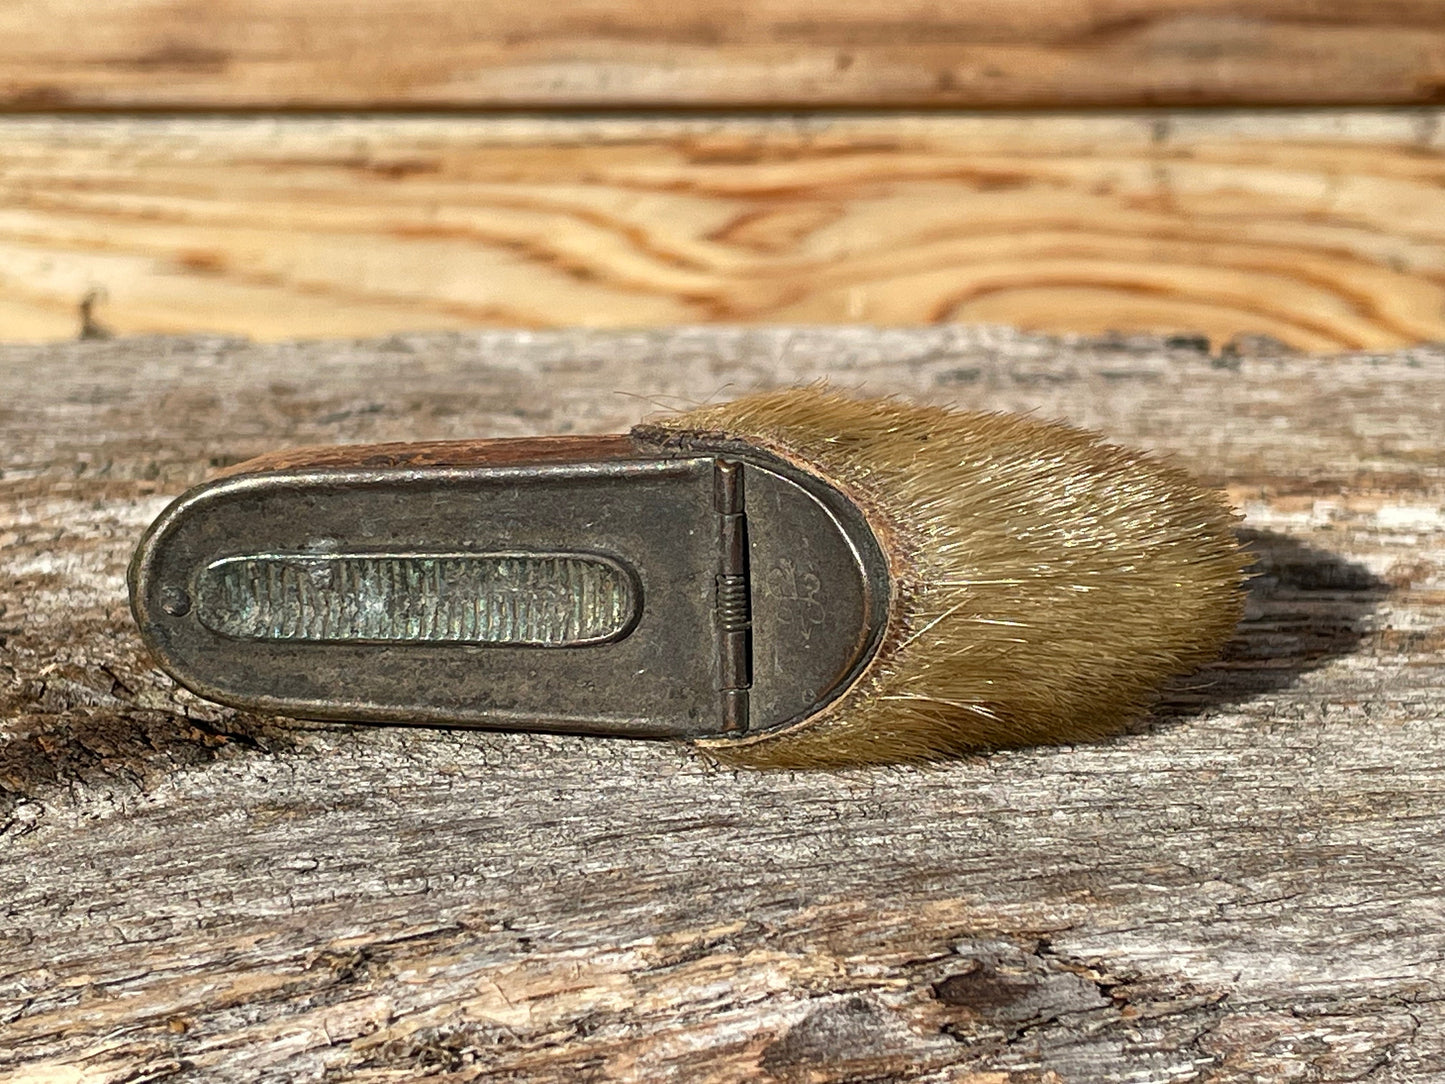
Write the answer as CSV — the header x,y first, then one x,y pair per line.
x,y
653,592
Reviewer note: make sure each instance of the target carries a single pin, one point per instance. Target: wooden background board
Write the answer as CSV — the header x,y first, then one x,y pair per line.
x,y
1251,887
364,175
1323,230
350,54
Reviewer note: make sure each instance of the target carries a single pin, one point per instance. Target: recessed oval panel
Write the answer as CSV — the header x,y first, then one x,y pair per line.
x,y
500,599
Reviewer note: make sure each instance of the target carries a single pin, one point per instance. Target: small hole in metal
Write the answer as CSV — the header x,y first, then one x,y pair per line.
x,y
175,601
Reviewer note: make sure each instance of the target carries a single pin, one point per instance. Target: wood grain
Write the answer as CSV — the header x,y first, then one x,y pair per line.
x,y
1322,230
1249,889
366,54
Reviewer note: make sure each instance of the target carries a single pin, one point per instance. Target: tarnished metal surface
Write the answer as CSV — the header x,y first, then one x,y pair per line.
x,y
669,592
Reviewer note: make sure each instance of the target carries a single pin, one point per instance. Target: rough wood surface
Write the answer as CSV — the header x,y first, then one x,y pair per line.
x,y
1249,888
271,54
1325,231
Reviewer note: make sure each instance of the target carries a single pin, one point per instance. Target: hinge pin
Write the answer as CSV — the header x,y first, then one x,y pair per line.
x,y
732,604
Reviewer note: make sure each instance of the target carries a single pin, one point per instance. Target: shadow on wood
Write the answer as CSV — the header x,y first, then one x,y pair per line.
x,y
1305,607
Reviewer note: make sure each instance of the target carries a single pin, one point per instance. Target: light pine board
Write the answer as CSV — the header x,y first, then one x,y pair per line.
x,y
1250,887
360,54
1323,230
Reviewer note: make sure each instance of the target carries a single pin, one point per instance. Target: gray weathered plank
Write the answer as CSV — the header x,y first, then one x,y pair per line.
x,y
1249,887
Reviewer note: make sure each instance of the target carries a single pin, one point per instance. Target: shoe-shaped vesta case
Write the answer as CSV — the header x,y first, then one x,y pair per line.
x,y
794,579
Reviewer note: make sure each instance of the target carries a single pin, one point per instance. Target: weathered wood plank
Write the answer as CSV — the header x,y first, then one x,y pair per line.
x,y
357,54
1248,889
1325,231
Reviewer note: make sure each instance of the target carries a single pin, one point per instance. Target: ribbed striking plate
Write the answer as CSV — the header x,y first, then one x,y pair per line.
x,y
511,599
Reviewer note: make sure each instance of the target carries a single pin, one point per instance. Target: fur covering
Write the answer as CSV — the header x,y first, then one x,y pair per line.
x,y
1046,584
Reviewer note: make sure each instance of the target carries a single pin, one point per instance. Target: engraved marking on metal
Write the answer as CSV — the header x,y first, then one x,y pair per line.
x,y
800,589
500,599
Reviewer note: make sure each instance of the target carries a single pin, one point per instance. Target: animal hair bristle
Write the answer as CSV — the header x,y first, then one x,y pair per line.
x,y
1046,584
